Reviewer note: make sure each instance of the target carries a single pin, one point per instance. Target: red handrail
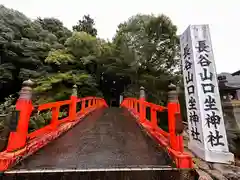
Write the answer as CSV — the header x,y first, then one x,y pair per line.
x,y
172,141
19,138
55,107
133,104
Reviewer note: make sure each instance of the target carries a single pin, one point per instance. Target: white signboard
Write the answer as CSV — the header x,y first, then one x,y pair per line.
x,y
205,118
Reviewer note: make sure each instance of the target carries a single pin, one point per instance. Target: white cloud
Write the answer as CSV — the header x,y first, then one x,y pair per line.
x,y
222,16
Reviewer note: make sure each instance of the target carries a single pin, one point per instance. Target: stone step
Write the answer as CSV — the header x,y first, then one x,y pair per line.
x,y
164,173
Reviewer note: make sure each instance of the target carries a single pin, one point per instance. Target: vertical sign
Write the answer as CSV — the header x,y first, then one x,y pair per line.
x,y
204,111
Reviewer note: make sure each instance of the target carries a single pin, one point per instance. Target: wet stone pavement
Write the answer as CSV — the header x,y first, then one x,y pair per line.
x,y
106,138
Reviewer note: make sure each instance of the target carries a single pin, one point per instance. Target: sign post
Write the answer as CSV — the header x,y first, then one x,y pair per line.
x,y
207,131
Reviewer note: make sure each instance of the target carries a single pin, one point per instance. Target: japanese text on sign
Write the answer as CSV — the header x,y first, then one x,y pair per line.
x,y
208,88
190,89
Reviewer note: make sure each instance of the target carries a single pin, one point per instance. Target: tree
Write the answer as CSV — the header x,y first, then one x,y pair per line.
x,y
153,39
24,46
83,46
154,46
58,86
56,27
86,25
69,65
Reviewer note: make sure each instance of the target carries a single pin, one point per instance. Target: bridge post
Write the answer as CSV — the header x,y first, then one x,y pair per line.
x,y
142,93
83,105
55,115
73,105
19,129
153,117
175,125
95,102
91,103
136,106
141,104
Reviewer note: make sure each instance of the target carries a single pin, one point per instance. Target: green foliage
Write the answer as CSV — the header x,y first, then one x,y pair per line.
x,y
153,40
24,45
59,57
46,84
5,106
81,44
6,72
40,120
5,109
58,86
86,25
56,27
107,49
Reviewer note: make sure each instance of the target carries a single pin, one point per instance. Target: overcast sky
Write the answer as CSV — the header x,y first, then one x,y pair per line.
x,y
222,16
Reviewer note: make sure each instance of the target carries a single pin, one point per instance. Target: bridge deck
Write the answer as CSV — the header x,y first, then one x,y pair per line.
x,y
106,138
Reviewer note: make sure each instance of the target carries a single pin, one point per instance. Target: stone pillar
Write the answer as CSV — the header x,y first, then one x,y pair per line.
x,y
74,90
142,108
26,91
20,120
206,126
175,125
172,93
142,93
73,105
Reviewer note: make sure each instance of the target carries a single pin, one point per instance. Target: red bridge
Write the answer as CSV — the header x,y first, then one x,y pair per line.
x,y
95,136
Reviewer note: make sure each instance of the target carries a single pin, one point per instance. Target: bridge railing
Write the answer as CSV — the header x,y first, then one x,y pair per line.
x,y
135,104
54,107
19,135
172,139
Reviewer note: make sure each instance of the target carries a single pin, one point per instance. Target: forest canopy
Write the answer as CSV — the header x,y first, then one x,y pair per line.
x,y
144,51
